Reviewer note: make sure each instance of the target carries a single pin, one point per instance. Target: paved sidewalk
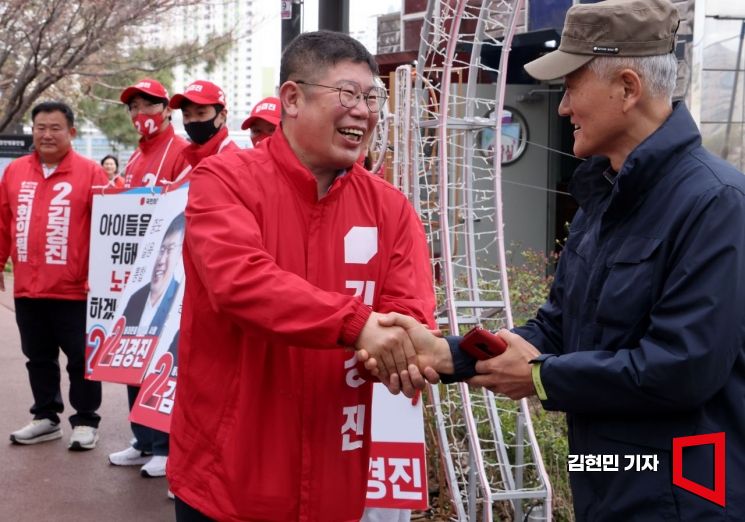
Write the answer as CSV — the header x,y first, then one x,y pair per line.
x,y
46,482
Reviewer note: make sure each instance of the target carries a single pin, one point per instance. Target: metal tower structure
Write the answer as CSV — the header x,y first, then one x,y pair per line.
x,y
447,109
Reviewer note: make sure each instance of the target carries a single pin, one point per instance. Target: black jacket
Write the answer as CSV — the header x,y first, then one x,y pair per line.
x,y
643,333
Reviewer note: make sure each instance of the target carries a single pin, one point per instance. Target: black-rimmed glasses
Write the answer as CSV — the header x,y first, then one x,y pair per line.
x,y
350,95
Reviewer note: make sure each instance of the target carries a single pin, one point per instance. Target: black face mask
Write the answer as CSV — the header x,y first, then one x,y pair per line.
x,y
201,131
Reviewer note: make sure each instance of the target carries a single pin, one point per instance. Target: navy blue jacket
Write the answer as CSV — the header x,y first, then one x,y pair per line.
x,y
642,335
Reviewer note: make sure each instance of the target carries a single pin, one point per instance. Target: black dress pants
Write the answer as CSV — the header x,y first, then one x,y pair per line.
x,y
46,326
186,513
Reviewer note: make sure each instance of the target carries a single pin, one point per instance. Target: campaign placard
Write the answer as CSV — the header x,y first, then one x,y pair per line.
x,y
150,305
119,221
157,396
398,471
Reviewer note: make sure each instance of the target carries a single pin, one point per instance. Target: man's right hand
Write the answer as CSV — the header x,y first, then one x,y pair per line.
x,y
388,345
432,355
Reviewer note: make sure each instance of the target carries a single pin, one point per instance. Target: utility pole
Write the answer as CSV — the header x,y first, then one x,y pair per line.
x,y
333,15
291,17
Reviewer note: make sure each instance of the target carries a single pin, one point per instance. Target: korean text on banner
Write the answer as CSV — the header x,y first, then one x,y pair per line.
x,y
155,401
119,221
398,471
149,310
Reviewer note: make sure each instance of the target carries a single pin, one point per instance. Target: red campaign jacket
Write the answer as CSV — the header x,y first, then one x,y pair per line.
x,y
158,158
273,418
45,225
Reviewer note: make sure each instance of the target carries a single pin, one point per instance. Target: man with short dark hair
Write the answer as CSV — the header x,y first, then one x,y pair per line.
x,y
205,115
642,337
45,219
158,156
289,248
158,159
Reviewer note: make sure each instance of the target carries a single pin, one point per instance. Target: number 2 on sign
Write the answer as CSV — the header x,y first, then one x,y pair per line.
x,y
159,389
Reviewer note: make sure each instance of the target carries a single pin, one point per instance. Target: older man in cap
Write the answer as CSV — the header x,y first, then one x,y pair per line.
x,y
641,339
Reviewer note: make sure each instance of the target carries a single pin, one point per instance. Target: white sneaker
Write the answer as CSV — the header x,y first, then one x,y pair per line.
x,y
129,457
155,467
83,438
38,430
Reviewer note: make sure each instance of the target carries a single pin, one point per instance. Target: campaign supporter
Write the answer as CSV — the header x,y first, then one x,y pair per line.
x,y
642,338
205,114
264,119
158,159
45,220
110,165
291,252
158,155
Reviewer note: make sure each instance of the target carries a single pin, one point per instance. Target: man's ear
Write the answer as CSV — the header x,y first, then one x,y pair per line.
x,y
632,88
292,97
224,114
73,132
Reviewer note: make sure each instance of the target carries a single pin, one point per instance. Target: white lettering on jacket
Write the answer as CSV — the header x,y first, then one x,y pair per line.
x,y
360,246
58,225
23,217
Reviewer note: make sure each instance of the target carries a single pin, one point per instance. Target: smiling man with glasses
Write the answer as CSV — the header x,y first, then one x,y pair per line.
x,y
292,251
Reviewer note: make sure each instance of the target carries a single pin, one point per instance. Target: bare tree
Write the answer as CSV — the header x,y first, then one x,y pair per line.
x,y
70,45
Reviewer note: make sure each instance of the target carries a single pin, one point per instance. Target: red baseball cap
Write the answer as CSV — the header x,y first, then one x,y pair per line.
x,y
144,86
200,92
268,109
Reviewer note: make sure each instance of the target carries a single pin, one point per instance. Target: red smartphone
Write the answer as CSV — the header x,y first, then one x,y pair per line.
x,y
482,344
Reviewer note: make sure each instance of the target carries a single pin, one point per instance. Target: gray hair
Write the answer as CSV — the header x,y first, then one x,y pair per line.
x,y
658,73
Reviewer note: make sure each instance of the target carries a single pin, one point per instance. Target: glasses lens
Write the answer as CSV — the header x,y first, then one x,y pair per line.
x,y
376,99
349,95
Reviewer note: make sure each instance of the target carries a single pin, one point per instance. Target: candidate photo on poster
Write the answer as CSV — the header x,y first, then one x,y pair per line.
x,y
149,307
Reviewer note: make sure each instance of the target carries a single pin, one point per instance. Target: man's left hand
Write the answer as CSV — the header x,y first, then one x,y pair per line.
x,y
509,373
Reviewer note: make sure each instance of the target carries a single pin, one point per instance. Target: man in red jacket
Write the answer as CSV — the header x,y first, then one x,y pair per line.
x,y
205,114
265,116
45,220
289,248
158,156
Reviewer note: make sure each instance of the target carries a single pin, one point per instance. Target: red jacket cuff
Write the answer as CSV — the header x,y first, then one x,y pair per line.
x,y
352,327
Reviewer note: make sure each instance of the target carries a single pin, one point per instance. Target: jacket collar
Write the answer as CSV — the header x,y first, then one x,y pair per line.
x,y
298,174
649,162
65,165
194,152
146,145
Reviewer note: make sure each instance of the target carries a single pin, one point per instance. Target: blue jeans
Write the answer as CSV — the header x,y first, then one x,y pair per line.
x,y
149,440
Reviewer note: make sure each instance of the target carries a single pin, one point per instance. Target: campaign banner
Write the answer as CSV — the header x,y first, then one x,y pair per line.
x,y
157,396
154,403
398,468
119,221
149,310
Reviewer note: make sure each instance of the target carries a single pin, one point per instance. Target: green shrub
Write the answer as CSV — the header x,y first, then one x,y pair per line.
x,y
530,279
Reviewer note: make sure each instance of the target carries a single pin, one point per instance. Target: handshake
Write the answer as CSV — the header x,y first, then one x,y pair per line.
x,y
405,355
